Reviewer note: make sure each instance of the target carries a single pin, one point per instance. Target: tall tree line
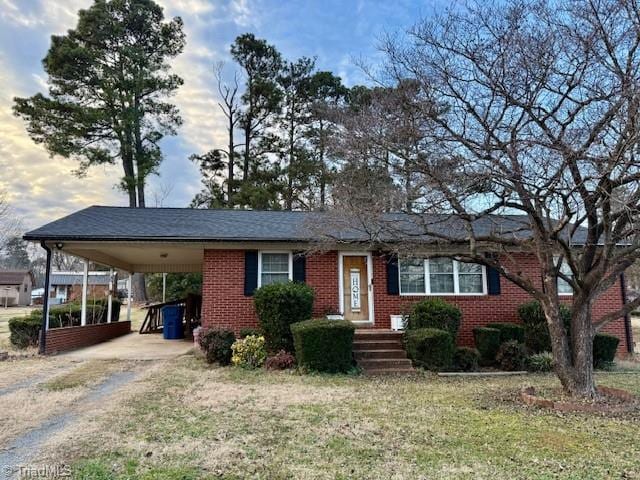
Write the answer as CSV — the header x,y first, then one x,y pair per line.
x,y
278,123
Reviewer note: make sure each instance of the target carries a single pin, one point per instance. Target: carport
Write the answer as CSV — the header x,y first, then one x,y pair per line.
x,y
115,238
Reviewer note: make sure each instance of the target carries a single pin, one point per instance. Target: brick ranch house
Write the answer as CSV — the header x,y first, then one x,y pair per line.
x,y
237,251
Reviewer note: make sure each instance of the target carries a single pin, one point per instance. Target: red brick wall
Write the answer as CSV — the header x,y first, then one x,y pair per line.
x,y
224,303
70,338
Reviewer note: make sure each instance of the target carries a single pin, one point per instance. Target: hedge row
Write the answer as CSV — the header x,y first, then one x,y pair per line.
x,y
324,345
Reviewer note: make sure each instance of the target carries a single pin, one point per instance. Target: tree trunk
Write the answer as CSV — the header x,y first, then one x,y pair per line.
x,y
138,288
573,354
230,180
247,144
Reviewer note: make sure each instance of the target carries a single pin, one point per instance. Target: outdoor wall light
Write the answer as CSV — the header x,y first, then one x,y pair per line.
x,y
59,245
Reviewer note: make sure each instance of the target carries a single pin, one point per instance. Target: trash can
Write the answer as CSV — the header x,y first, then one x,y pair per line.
x,y
172,322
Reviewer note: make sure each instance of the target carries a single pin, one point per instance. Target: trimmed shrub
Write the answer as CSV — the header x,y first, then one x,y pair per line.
x,y
216,345
70,314
278,306
466,359
604,349
324,345
487,342
280,361
536,331
245,332
540,362
430,348
249,352
509,331
435,313
512,356
24,331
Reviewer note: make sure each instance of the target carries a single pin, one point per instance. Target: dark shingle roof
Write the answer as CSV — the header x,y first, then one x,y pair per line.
x,y
13,277
186,224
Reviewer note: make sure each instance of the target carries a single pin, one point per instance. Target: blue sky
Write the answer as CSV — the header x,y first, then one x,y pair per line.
x,y
41,189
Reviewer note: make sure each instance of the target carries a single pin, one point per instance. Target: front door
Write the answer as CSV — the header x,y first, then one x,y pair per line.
x,y
355,283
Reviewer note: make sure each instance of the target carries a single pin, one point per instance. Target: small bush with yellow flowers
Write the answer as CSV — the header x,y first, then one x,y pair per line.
x,y
249,352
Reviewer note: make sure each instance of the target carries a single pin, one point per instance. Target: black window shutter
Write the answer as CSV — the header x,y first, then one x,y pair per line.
x,y
299,268
493,281
393,280
250,272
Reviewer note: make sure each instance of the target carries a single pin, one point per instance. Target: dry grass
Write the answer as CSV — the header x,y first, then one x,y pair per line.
x,y
85,374
48,388
185,420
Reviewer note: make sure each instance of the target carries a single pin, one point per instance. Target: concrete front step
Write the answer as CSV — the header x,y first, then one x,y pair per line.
x,y
377,344
389,371
371,334
381,363
365,354
381,352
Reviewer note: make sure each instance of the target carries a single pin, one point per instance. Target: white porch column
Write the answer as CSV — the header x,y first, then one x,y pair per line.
x,y
164,287
109,304
85,282
129,299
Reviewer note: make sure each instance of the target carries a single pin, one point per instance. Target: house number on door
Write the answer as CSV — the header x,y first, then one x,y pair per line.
x,y
355,290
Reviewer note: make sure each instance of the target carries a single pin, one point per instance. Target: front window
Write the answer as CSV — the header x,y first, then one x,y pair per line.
x,y
275,268
440,276
564,288
412,278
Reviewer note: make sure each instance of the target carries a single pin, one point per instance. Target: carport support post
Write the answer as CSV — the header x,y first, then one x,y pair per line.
x,y
129,299
109,306
85,281
45,302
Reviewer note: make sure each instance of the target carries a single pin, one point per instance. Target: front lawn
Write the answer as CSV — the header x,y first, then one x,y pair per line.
x,y
184,419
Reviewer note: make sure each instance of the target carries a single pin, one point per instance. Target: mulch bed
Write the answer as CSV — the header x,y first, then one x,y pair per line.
x,y
612,400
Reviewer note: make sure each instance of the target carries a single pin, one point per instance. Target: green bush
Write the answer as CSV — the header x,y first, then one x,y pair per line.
x,y
430,348
435,313
249,352
245,332
512,356
466,359
604,349
536,331
487,342
324,345
24,331
509,331
540,362
278,306
70,314
216,344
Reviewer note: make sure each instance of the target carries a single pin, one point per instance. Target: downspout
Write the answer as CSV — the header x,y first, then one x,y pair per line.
x,y
42,345
627,319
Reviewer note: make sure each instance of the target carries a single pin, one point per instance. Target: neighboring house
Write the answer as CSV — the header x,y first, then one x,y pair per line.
x,y
238,251
67,286
15,288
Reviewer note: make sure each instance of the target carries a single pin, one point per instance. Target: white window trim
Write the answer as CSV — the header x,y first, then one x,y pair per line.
x,y
456,282
288,252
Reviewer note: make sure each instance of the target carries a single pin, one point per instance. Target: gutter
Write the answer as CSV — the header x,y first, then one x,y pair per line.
x,y
627,319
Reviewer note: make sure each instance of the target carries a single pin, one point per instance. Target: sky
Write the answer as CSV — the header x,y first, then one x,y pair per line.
x,y
41,189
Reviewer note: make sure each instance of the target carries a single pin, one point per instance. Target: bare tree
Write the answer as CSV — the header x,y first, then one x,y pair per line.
x,y
526,108
9,222
230,106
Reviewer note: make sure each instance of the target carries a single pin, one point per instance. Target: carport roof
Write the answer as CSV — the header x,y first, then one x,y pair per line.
x,y
99,223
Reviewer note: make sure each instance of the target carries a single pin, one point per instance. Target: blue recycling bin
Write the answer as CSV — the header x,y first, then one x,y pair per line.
x,y
172,322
